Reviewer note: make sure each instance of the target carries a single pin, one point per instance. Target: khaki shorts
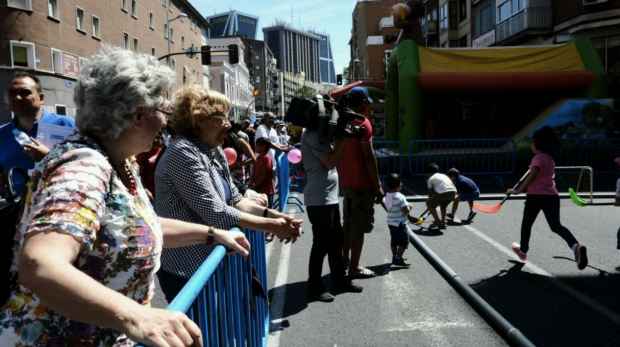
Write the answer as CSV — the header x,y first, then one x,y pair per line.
x,y
443,199
359,209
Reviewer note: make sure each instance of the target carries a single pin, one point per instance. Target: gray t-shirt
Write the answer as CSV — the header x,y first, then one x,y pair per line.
x,y
322,187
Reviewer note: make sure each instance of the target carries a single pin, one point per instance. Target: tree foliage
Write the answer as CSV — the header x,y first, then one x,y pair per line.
x,y
304,92
345,76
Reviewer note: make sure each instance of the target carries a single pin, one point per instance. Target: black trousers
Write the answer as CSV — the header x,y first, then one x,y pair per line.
x,y
171,285
550,205
327,239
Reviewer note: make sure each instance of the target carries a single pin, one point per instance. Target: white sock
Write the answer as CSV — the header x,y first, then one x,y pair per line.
x,y
575,247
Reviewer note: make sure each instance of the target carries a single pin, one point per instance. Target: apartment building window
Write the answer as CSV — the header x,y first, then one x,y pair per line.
x,y
95,26
61,109
453,9
52,8
257,79
163,2
484,21
21,4
153,51
462,10
517,5
22,54
125,40
165,30
463,42
443,15
56,61
136,45
82,62
171,34
181,11
174,64
134,8
79,15
503,12
182,42
151,20
124,5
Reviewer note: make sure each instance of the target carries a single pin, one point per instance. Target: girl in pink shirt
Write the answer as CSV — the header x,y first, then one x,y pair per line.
x,y
542,195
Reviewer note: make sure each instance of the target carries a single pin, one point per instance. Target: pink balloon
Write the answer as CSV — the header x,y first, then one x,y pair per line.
x,y
294,156
231,155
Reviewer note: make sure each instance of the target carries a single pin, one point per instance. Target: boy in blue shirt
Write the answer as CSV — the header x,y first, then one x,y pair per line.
x,y
468,191
397,208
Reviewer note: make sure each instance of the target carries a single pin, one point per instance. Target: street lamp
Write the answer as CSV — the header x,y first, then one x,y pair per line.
x,y
168,20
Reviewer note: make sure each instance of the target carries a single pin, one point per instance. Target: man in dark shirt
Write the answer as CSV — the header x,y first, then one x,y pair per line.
x,y
468,191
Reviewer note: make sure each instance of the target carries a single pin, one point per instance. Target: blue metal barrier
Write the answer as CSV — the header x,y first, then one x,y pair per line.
x,y
220,291
389,156
284,182
298,168
596,153
469,156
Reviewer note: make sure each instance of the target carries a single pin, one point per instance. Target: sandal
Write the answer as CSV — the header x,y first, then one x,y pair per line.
x,y
365,274
437,225
268,238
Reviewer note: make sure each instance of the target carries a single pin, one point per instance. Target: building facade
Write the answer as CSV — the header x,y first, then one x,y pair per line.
x,y
447,23
326,60
53,39
262,66
296,51
232,80
371,21
289,86
233,23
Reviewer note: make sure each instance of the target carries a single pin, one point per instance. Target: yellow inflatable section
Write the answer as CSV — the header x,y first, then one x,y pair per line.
x,y
555,58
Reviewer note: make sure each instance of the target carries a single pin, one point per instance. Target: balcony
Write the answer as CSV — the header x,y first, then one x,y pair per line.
x,y
374,40
530,18
386,22
430,28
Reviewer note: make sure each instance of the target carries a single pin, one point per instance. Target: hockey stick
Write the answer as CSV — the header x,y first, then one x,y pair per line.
x,y
497,207
582,203
420,220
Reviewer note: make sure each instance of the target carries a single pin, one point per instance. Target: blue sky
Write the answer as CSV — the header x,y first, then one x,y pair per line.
x,y
331,16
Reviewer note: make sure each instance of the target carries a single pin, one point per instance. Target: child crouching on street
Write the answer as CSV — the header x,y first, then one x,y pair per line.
x,y
398,208
468,191
441,192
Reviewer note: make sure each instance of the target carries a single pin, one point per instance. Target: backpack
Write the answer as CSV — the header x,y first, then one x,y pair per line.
x,y
10,208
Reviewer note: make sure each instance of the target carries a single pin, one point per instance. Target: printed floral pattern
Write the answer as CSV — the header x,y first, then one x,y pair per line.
x,y
75,191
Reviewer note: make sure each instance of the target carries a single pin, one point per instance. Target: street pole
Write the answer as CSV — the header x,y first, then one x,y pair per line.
x,y
168,20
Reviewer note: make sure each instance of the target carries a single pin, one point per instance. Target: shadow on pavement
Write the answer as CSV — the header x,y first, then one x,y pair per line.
x,y
535,305
421,231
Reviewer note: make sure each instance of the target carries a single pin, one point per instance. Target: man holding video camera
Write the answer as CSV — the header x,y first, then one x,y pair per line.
x,y
361,186
321,200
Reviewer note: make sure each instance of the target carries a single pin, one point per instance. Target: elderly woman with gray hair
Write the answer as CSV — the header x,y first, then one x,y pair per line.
x,y
89,242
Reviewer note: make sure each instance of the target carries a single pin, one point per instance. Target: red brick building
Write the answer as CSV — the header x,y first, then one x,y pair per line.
x,y
371,21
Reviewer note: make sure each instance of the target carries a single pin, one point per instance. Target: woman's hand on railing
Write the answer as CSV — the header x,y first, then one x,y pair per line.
x,y
157,327
234,241
285,227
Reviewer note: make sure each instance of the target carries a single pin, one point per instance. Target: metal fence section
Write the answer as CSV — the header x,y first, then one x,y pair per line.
x,y
221,297
389,156
284,184
596,153
469,156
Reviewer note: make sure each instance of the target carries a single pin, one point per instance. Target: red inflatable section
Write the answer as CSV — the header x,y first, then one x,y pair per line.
x,y
376,84
506,80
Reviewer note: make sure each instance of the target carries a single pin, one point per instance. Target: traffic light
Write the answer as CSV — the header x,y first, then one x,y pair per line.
x,y
233,54
338,79
205,55
256,91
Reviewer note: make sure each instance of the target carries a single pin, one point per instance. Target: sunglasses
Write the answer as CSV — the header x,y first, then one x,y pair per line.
x,y
165,112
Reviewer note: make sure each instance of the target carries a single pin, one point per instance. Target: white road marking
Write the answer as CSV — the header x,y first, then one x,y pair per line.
x,y
279,295
402,311
558,283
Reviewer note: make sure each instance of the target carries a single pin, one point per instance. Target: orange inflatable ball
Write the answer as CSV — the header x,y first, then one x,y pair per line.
x,y
231,155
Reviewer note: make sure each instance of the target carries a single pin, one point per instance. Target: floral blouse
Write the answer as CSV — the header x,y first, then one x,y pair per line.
x,y
74,190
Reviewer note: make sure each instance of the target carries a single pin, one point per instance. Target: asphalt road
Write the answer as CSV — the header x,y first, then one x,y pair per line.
x,y
546,298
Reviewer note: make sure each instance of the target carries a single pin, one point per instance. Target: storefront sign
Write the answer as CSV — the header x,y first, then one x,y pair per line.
x,y
484,40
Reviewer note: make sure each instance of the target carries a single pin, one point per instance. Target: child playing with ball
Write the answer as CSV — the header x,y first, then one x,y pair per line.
x,y
397,208
542,196
441,192
468,191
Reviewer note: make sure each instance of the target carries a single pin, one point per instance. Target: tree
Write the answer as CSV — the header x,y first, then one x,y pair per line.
x,y
345,76
304,92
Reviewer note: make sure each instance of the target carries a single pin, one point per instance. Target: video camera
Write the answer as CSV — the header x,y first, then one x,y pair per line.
x,y
331,119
